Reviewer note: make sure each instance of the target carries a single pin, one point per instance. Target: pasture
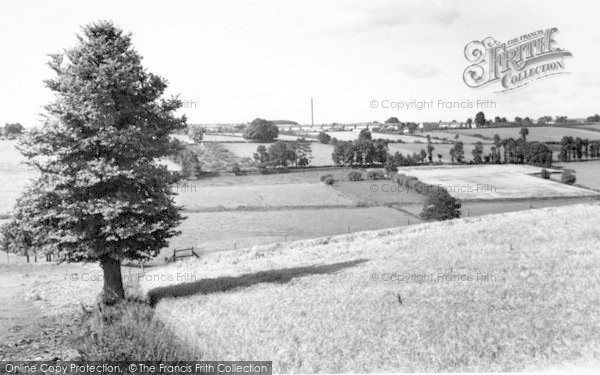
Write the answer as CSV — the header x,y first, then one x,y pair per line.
x,y
220,231
587,173
511,292
540,134
483,182
248,197
353,135
449,136
380,192
440,148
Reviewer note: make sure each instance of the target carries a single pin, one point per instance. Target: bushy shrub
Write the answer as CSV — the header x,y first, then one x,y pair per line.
x,y
545,174
354,176
329,180
196,133
567,177
236,169
440,205
324,137
375,174
323,177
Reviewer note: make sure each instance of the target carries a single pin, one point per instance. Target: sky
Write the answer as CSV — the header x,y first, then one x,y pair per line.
x,y
232,61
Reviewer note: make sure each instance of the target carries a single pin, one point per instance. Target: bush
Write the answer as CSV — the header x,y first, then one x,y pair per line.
x,y
329,180
236,169
567,177
375,174
440,205
196,133
323,177
354,176
128,331
324,138
545,174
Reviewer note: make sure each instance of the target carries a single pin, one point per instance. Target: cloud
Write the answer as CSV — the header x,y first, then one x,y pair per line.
x,y
386,14
422,70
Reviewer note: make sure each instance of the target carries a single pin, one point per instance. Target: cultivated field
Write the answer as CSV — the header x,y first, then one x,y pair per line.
x,y
495,182
541,134
510,292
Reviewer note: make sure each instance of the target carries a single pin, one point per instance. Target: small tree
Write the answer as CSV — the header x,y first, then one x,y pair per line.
x,y
480,119
11,130
365,134
100,196
567,177
545,174
324,138
354,176
196,133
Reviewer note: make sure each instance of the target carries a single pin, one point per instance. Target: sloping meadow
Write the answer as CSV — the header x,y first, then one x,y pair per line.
x,y
508,292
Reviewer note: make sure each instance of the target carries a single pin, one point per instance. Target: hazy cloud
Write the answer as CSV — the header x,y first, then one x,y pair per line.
x,y
384,14
422,70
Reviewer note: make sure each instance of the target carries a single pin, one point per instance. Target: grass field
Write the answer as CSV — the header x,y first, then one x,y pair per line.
x,y
541,134
381,192
243,197
448,136
217,231
353,135
443,149
495,182
595,127
511,292
587,173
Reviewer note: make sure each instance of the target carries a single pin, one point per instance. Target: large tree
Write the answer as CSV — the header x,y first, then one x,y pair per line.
x,y
100,195
261,130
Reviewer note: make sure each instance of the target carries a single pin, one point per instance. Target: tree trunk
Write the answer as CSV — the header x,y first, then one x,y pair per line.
x,y
113,282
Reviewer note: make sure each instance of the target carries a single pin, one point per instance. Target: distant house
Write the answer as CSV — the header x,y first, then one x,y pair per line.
x,y
451,125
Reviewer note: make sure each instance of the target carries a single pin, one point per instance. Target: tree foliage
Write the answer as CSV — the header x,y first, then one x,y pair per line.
x,y
100,195
261,130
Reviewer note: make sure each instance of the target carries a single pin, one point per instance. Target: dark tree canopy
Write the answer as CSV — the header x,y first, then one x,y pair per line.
x,y
261,130
100,194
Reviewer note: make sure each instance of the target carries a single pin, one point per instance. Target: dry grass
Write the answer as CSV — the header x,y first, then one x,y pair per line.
x,y
315,306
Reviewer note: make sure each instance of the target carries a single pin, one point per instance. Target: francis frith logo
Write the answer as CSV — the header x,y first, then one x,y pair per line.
x,y
514,63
